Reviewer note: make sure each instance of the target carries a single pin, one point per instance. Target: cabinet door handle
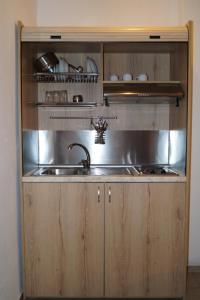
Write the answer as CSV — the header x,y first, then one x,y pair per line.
x,y
109,194
98,194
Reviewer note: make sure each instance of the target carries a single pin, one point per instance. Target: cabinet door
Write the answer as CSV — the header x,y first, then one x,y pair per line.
x,y
63,239
144,240
83,244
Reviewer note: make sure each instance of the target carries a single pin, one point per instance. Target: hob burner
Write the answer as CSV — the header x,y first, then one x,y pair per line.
x,y
155,170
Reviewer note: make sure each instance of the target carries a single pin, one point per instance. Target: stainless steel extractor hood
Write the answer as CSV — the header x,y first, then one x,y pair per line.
x,y
143,89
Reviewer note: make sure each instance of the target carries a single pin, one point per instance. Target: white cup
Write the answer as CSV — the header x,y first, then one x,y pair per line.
x,y
127,77
142,77
114,77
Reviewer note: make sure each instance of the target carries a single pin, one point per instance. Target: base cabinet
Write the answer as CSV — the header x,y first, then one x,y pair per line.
x,y
104,240
64,240
144,240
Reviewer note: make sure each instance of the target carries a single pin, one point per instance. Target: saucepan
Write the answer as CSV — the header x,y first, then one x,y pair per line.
x,y
46,62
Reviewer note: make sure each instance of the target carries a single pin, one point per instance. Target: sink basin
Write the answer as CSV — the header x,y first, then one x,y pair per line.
x,y
59,171
95,171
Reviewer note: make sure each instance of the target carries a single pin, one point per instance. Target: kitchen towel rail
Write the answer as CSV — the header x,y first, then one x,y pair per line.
x,y
80,118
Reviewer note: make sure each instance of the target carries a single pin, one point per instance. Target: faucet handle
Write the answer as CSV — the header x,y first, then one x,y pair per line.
x,y
85,164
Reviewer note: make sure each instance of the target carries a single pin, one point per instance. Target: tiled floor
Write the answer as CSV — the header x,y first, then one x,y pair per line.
x,y
193,286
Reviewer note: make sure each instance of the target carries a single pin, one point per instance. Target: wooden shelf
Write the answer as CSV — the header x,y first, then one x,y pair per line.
x,y
141,82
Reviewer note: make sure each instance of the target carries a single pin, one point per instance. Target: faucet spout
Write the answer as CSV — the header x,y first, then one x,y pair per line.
x,y
86,163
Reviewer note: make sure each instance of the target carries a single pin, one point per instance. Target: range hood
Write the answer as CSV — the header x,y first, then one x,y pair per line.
x,y
142,89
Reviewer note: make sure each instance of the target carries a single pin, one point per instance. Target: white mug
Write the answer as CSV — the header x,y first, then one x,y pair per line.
x,y
142,77
114,77
127,77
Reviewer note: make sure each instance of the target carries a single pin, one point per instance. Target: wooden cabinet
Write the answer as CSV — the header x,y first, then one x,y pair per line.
x,y
128,243
164,63
63,240
144,240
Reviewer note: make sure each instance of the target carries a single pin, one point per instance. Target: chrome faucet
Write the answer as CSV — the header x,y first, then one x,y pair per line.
x,y
85,162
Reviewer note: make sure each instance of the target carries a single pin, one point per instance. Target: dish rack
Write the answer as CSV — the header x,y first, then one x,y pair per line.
x,y
67,77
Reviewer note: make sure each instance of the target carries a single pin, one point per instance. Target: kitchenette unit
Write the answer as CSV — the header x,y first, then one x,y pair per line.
x,y
105,130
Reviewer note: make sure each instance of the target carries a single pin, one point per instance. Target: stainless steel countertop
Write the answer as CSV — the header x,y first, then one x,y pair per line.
x,y
34,176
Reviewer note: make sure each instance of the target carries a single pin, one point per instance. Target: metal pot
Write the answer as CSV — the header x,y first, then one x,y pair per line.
x,y
46,62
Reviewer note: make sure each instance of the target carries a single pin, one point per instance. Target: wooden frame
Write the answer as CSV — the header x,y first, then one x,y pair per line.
x,y
124,34
189,137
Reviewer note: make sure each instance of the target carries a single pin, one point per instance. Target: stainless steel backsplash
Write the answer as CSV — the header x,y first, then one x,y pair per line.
x,y
30,150
121,147
46,147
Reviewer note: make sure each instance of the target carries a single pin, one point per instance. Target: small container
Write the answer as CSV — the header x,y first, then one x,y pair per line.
x,y
77,98
142,77
127,77
114,77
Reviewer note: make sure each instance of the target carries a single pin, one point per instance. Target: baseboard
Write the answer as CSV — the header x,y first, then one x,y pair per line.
x,y
193,268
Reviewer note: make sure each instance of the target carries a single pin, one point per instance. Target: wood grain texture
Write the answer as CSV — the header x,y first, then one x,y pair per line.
x,y
120,33
144,240
125,242
179,70
29,88
103,179
83,239
156,65
161,61
42,241
189,136
129,117
64,240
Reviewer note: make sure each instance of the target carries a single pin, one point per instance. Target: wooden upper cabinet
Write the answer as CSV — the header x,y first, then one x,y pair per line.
x,y
144,240
64,239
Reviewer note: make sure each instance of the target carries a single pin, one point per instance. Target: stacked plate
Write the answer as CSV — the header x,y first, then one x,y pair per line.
x,y
91,65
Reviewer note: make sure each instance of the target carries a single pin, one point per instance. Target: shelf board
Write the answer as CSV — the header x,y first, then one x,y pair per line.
x,y
69,104
141,82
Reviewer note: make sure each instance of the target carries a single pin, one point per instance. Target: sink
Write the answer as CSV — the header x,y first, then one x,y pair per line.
x,y
109,171
94,171
59,171
105,171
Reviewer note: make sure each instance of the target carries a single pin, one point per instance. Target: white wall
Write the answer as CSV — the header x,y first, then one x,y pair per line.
x,y
107,12
138,13
10,281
